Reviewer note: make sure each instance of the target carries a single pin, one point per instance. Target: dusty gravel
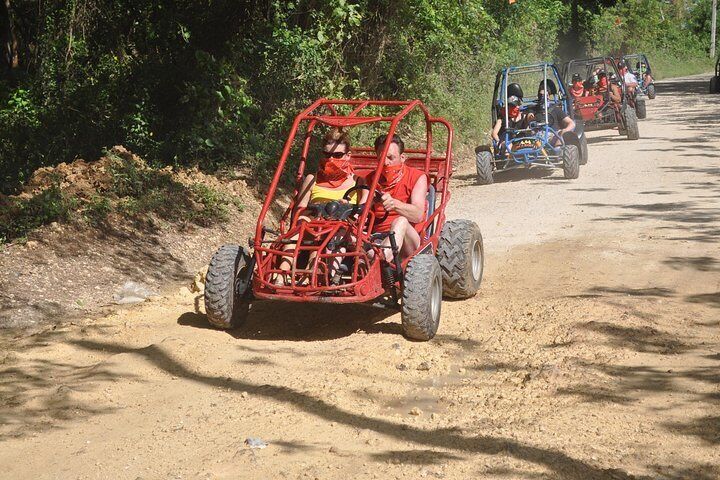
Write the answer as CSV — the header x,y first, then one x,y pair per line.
x,y
591,352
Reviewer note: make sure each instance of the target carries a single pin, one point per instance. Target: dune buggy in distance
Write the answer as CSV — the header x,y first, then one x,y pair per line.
x,y
639,66
538,144
715,81
448,261
598,110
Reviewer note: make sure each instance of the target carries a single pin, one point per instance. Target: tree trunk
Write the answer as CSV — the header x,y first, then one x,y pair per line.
x,y
8,41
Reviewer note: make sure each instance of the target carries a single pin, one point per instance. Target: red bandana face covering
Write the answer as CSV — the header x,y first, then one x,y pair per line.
x,y
603,82
334,172
514,111
391,175
577,87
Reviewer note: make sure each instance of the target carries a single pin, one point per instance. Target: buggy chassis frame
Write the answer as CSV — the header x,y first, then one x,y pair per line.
x,y
365,283
598,120
535,148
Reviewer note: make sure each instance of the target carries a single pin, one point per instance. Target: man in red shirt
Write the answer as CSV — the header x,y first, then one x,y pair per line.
x,y
403,191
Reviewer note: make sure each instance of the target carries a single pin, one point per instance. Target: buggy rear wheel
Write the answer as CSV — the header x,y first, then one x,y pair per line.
x,y
571,161
715,85
460,255
651,91
584,154
483,163
640,109
226,306
422,298
631,124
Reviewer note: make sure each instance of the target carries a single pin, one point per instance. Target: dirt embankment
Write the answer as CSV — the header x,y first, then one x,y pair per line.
x,y
155,230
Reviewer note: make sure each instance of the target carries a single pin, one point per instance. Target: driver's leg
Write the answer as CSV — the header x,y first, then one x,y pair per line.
x,y
406,238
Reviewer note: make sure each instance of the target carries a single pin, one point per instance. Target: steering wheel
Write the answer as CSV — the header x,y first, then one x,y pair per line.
x,y
377,196
353,189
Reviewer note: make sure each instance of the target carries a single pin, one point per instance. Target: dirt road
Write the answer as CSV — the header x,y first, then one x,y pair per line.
x,y
591,352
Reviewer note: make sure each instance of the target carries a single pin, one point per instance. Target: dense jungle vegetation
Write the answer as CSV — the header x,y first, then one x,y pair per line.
x,y
216,82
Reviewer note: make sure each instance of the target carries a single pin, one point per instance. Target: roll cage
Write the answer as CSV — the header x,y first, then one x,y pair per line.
x,y
318,237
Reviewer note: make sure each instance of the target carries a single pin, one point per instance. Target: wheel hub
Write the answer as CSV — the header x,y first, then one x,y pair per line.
x,y
476,260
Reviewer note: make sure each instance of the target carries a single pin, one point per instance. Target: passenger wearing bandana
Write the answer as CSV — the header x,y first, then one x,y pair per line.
x,y
334,177
403,191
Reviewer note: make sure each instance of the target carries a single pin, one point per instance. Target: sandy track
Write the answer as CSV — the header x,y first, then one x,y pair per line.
x,y
592,351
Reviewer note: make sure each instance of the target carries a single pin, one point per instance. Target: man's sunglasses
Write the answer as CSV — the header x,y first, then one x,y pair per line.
x,y
334,154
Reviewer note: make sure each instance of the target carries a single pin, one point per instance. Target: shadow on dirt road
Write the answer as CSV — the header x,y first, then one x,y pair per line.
x,y
563,466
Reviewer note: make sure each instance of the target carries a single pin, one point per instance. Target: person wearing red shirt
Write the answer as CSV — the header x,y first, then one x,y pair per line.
x,y
578,88
403,190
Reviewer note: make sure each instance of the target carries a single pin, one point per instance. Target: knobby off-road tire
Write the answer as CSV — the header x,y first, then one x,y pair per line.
x,y
225,307
584,150
640,109
571,161
461,257
483,163
422,298
651,91
715,85
631,124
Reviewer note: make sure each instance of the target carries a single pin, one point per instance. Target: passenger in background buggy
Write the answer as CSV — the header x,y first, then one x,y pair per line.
x,y
647,73
577,89
615,89
630,80
517,120
557,118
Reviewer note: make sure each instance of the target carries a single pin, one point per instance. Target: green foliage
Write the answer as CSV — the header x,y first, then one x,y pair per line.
x,y
213,205
673,35
141,191
98,209
25,215
182,83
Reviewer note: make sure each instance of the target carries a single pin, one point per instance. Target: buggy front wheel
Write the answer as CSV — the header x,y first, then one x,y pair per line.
x,y
422,298
227,306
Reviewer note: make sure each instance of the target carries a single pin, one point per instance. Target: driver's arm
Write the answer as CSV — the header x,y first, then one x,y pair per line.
x,y
568,125
496,130
413,211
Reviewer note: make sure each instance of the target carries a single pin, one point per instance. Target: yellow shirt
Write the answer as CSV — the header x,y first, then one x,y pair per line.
x,y
320,194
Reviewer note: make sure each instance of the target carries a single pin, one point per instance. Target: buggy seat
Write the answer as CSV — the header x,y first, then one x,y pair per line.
x,y
586,107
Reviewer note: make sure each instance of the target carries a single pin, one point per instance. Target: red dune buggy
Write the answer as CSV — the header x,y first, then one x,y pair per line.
x,y
448,261
597,109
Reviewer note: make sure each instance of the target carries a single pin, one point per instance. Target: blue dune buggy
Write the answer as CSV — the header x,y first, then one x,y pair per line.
x,y
715,81
538,142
